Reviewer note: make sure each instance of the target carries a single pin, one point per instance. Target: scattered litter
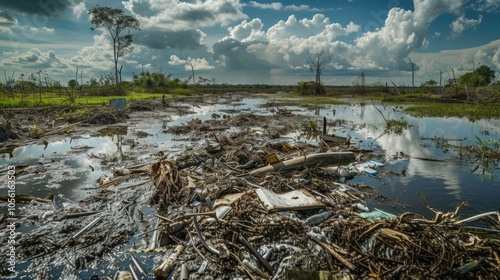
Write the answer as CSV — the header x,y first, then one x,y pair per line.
x,y
293,200
376,215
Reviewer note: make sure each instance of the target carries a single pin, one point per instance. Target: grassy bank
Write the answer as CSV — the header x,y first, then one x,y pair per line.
x,y
298,99
461,110
53,99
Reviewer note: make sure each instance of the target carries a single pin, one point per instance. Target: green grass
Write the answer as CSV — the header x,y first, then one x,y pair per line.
x,y
296,98
409,96
52,99
396,126
471,111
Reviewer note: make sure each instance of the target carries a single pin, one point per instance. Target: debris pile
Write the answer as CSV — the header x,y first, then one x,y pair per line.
x,y
284,224
106,116
246,202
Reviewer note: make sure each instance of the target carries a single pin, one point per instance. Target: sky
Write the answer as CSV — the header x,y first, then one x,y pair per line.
x,y
255,42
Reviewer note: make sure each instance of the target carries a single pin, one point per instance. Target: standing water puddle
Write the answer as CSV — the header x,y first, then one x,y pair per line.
x,y
421,164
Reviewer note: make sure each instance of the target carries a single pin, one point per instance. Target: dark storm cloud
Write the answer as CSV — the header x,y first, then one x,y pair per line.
x,y
50,8
195,15
162,39
237,58
6,19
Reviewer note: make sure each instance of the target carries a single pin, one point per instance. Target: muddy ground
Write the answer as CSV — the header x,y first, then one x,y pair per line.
x,y
196,211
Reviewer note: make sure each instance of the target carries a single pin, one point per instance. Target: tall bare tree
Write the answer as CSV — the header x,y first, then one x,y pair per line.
x,y
412,76
317,62
115,21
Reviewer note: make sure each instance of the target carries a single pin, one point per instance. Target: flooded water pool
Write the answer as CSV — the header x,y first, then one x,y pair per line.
x,y
422,164
427,154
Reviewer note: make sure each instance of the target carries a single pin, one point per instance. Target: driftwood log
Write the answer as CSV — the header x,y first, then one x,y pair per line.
x,y
320,159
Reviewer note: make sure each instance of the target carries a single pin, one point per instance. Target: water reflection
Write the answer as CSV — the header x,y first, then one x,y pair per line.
x,y
445,182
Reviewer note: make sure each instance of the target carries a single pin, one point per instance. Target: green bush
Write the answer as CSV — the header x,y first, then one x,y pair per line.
x,y
309,88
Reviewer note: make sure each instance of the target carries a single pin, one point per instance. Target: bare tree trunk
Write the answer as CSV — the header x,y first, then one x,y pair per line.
x,y
454,81
120,73
318,79
412,76
396,87
116,69
192,69
440,80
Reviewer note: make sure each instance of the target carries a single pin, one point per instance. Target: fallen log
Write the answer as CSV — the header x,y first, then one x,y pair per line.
x,y
320,159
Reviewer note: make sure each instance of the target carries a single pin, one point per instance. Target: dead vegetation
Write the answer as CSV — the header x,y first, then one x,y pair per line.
x,y
335,239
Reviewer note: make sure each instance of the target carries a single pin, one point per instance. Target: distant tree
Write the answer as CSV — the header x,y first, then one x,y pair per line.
x,y
115,21
486,73
72,83
93,82
482,76
430,84
317,62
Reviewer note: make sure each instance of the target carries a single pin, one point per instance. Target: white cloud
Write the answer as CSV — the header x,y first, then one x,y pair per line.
x,y
495,58
462,60
318,29
248,31
267,6
173,35
37,59
99,56
41,29
79,9
197,63
462,23
488,6
278,6
404,32
283,45
302,8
